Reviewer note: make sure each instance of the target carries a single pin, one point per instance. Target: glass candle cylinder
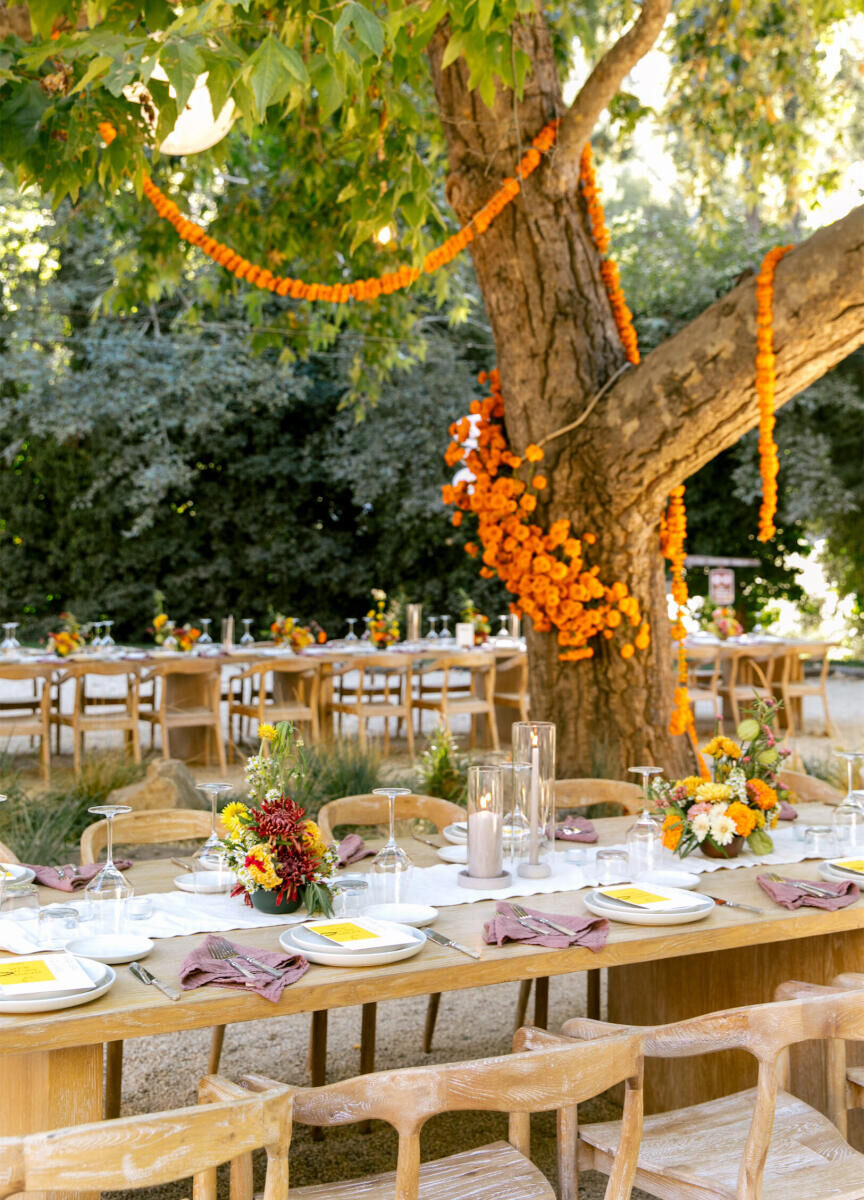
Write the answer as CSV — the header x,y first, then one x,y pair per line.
x,y
485,829
515,779
534,746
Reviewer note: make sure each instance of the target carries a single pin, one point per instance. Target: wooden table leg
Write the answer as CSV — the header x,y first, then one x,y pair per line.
x,y
49,1090
541,1002
318,1055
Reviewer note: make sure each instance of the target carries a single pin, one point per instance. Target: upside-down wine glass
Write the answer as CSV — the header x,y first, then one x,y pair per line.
x,y
8,644
852,758
211,857
391,862
502,632
445,628
351,636
248,638
16,645
107,639
109,891
367,632
205,639
97,636
432,635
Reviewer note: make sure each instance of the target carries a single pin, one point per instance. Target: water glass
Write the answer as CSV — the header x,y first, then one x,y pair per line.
x,y
819,841
20,902
849,828
58,925
350,895
643,846
613,866
140,908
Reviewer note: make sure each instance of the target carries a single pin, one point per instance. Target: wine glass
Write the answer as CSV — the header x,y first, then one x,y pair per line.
x,y
391,861
205,639
646,773
367,633
9,644
445,628
97,636
13,625
107,639
351,636
502,632
248,638
108,892
852,758
211,856
643,846
432,635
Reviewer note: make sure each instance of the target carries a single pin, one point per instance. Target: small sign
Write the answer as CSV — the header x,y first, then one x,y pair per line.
x,y
721,586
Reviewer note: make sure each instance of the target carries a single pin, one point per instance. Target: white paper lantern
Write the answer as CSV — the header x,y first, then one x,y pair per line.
x,y
196,128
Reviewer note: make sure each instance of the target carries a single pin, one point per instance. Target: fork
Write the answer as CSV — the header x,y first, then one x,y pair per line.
x,y
809,889
524,917
220,949
227,951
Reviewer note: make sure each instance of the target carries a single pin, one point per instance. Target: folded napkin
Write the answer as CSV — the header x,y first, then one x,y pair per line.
x,y
199,968
576,829
351,849
790,895
49,877
590,932
787,812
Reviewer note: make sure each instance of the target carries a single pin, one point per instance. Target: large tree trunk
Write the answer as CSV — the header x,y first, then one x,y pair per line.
x,y
557,344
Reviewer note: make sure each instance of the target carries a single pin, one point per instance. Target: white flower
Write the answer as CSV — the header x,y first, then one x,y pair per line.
x,y
722,827
701,826
378,594
273,794
737,781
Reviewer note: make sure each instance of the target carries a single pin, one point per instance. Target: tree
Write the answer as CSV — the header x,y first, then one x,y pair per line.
x,y
357,95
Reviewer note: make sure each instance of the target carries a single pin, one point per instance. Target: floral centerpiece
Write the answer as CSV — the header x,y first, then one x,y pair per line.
x,y
288,631
723,623
383,624
276,853
471,615
69,638
168,634
741,800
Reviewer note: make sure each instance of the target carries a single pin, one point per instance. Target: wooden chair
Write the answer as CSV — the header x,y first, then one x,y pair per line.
x,y
145,1151
553,1078
293,696
372,698
809,789
704,679
7,855
148,828
186,695
511,684
31,715
760,666
794,685
759,1144
480,702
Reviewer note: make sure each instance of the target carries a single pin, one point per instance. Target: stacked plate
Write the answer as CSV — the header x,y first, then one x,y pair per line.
x,y
457,833
841,870
15,873
647,904
341,942
101,979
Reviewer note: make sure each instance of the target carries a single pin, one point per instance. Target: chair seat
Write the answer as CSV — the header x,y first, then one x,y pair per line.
x,y
197,714
456,704
701,1147
494,1172
275,712
24,723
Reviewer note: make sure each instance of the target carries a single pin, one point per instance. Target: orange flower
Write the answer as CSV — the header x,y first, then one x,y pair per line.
x,y
744,818
761,793
533,453
765,387
539,482
672,830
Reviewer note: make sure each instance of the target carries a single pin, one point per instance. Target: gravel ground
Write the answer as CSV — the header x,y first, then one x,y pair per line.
x,y
163,1072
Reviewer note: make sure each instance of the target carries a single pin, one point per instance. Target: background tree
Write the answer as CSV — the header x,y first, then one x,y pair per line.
x,y
357,104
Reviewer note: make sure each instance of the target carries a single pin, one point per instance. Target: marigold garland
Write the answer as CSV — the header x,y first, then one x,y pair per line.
x,y
546,573
361,289
673,534
766,380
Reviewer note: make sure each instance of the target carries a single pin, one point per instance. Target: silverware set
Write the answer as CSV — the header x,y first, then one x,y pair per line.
x,y
63,874
531,921
221,948
804,885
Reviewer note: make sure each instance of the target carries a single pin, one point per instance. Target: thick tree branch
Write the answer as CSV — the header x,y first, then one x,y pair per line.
x,y
695,395
600,87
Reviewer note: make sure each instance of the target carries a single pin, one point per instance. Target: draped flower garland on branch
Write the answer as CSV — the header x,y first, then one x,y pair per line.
x,y
766,381
673,535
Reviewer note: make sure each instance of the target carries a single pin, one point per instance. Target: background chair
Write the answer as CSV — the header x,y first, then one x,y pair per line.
x,y
749,671
809,788
186,697
479,702
149,1150
92,714
544,1080
29,716
794,685
7,855
149,828
511,685
293,696
703,685
759,1144
382,691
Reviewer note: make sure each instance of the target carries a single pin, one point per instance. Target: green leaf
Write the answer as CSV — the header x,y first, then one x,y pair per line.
x,y
331,93
452,51
220,77
271,71
97,67
484,10
182,64
368,28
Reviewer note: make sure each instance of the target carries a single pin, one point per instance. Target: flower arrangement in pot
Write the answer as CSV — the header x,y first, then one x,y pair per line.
x,y
288,631
275,851
471,615
69,638
739,804
723,623
383,622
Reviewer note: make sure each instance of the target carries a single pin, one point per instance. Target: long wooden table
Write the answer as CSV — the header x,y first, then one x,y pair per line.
x,y
51,1064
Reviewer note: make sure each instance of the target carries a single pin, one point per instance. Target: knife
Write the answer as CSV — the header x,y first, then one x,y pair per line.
x,y
760,912
144,975
441,940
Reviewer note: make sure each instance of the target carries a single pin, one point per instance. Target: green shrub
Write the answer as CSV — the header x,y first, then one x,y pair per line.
x,y
334,769
443,771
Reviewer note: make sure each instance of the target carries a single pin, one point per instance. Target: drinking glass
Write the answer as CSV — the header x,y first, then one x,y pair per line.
x,y
445,628
646,773
109,891
613,866
367,632
97,636
58,925
20,901
108,640
351,636
13,625
819,841
853,760
849,827
432,636
211,856
391,862
9,644
205,639
247,639
349,894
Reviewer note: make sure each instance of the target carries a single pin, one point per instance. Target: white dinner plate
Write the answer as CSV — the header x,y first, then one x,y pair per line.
x,y
417,915
685,880
206,883
391,937
103,977
355,958
454,854
828,871
457,833
15,873
641,916
111,948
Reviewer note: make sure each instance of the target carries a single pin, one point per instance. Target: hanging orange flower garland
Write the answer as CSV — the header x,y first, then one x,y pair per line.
x,y
673,535
766,380
361,289
545,572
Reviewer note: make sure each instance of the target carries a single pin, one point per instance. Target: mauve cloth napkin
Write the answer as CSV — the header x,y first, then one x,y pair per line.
x,y
787,812
590,932
199,968
351,849
790,895
576,829
48,876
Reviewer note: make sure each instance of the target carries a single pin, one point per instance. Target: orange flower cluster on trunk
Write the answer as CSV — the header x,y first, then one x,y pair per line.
x,y
766,380
673,534
608,268
546,572
361,289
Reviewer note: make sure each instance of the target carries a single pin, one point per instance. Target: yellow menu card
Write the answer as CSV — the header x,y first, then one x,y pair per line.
x,y
635,895
42,975
360,935
851,864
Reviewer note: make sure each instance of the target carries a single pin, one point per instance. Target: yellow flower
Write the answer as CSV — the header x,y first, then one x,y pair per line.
x,y
231,817
713,793
312,839
160,620
691,783
266,732
259,864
